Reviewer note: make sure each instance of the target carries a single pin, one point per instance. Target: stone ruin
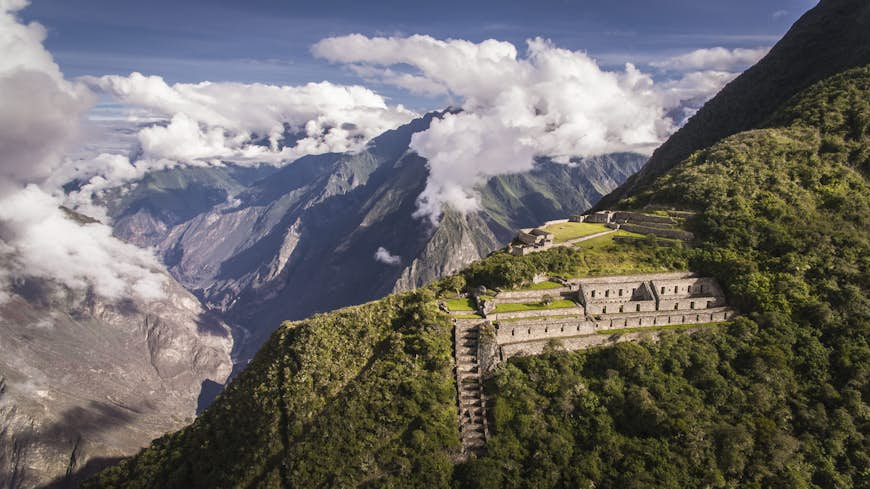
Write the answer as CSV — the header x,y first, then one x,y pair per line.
x,y
606,310
608,303
531,240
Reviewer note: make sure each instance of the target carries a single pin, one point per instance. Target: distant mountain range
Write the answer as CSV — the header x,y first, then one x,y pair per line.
x,y
260,245
777,188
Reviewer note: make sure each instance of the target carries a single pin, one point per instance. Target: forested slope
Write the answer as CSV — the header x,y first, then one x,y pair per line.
x,y
364,396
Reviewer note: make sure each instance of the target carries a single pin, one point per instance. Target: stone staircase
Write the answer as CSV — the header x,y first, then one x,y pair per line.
x,y
473,429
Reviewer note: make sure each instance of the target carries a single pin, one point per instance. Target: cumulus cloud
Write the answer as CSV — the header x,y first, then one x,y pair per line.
x,y
40,113
549,102
384,256
39,110
209,123
715,59
47,243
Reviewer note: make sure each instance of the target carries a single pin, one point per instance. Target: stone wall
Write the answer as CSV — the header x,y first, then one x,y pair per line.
x,y
530,296
669,288
623,216
663,318
536,313
624,306
530,337
664,233
519,331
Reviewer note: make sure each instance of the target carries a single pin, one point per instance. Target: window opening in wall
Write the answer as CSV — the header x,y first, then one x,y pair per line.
x,y
709,304
593,293
513,332
607,293
663,289
529,331
620,292
637,307
621,308
676,289
701,289
689,289
676,305
604,310
691,305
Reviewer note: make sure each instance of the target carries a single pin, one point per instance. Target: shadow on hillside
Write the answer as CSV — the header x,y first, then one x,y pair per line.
x,y
76,477
208,392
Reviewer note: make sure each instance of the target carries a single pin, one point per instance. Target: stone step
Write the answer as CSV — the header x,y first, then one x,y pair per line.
x,y
472,435
474,446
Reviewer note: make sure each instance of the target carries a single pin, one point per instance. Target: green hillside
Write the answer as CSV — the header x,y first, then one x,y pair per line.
x,y
780,399
830,38
357,397
364,397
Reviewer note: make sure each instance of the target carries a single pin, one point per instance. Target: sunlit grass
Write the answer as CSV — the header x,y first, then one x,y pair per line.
x,y
573,230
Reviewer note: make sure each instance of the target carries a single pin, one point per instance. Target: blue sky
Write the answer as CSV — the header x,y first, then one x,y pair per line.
x,y
268,41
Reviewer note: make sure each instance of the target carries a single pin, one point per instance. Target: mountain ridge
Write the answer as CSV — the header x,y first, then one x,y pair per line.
x,y
813,49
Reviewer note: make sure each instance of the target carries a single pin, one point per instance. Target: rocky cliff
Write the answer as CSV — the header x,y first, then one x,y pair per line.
x,y
85,381
261,246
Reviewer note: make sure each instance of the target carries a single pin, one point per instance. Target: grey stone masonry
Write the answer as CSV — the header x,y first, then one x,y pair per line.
x,y
473,430
606,310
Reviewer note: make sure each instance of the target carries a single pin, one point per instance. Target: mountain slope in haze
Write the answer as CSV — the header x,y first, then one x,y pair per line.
x,y
85,381
830,38
304,239
777,398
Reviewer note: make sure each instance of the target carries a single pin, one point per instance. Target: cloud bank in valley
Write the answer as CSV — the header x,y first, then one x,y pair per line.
x,y
40,113
211,122
548,102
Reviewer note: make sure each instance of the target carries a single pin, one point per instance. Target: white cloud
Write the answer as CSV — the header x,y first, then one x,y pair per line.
x,y
46,243
550,102
40,112
713,59
213,122
384,256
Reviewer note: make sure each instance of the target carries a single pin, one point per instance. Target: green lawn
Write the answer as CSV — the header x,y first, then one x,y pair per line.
x,y
603,256
541,286
572,230
535,306
462,304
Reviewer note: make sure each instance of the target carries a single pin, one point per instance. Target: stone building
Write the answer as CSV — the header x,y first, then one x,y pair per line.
x,y
531,240
609,297
646,293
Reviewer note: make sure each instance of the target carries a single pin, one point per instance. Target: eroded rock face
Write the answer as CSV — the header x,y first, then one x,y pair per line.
x,y
84,381
304,238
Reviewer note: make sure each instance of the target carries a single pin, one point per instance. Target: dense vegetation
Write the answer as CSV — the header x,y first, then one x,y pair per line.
x,y
364,396
830,38
779,399
356,397
598,256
